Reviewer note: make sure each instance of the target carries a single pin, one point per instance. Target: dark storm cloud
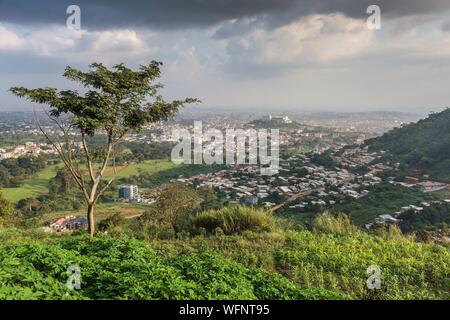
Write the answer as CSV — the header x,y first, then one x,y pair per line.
x,y
177,14
162,14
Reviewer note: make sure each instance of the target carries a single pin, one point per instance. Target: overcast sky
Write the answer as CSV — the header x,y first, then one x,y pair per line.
x,y
251,54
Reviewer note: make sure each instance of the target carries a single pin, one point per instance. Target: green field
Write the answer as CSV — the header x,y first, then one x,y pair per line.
x,y
33,187
38,184
150,166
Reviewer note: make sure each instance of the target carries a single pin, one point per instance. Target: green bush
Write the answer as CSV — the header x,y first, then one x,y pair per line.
x,y
214,276
409,270
122,268
273,286
235,219
110,269
249,265
20,280
116,220
339,224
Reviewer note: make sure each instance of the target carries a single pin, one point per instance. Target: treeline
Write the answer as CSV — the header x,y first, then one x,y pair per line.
x,y
14,171
436,216
63,195
128,152
153,180
382,198
424,145
149,151
8,139
324,159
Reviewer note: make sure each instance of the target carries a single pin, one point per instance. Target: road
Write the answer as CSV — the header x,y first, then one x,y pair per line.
x,y
293,198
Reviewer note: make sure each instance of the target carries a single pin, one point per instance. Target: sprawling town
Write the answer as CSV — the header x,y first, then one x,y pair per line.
x,y
302,184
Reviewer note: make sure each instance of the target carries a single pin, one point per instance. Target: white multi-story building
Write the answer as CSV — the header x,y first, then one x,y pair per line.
x,y
129,192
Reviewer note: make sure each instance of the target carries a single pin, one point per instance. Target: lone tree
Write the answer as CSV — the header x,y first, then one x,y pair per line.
x,y
116,101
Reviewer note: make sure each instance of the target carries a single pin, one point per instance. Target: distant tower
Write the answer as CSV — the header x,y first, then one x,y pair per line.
x,y
270,117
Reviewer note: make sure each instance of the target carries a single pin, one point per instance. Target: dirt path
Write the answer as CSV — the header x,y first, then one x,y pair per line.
x,y
292,199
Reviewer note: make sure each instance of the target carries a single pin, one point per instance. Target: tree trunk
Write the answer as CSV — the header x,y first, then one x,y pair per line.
x,y
91,222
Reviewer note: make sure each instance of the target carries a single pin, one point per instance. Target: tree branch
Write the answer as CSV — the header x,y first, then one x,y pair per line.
x,y
59,148
88,156
110,182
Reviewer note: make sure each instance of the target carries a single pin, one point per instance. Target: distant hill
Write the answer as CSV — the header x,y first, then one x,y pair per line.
x,y
286,124
279,122
422,146
371,115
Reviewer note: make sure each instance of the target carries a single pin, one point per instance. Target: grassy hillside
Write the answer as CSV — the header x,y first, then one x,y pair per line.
x,y
328,263
103,211
149,166
383,199
38,184
423,146
33,187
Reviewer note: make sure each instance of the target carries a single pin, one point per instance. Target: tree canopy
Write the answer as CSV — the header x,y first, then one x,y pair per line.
x,y
114,102
424,145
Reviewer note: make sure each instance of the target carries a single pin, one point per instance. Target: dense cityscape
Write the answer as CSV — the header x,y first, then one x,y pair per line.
x,y
307,182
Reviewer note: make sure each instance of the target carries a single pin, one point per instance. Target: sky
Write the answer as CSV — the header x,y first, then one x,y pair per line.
x,y
241,54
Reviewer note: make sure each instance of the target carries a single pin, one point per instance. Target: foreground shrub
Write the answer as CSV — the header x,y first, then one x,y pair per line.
x,y
20,280
235,219
303,265
216,277
339,224
121,268
116,220
409,270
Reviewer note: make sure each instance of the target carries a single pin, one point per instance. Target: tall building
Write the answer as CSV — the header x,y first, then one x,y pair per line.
x,y
129,192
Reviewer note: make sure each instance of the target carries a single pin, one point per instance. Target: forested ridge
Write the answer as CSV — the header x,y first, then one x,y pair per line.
x,y
423,146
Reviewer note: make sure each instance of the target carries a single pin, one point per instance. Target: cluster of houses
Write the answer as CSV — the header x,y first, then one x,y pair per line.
x,y
321,138
356,157
297,175
430,186
393,218
67,224
26,149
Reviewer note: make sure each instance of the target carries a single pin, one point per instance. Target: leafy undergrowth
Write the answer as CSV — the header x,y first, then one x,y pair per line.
x,y
123,268
284,265
235,219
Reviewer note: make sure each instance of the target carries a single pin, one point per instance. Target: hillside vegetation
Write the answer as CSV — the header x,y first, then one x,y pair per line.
x,y
382,199
329,262
423,146
33,187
